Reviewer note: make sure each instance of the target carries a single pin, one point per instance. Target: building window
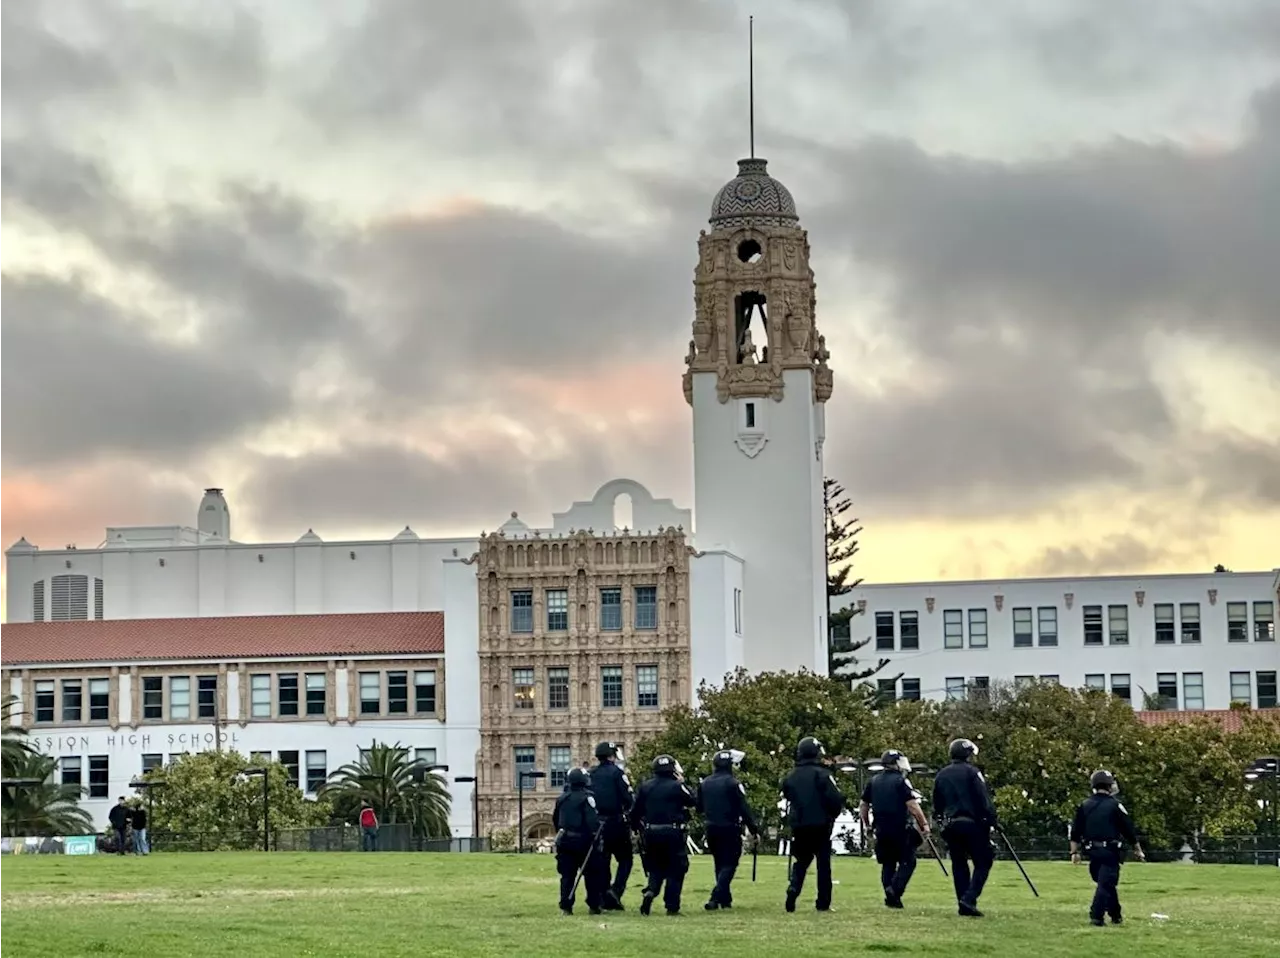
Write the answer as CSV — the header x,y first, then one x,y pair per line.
x,y
1238,621
884,632
37,601
611,687
646,607
911,690
886,692
152,761
1093,625
977,628
397,693
559,761
557,610
1266,690
289,760
70,598
287,693
179,698
525,761
1167,691
260,696
427,756
1193,690
1118,624
737,611
1264,622
370,693
99,776
1164,623
1095,682
1022,636
522,688
953,629
1023,681
955,688
909,628
317,693
1120,686
980,688
1049,678
72,700
424,691
1190,612
99,700
207,696
1048,618
317,770
522,610
1241,688
558,688
647,686
152,697
70,768
45,696
610,610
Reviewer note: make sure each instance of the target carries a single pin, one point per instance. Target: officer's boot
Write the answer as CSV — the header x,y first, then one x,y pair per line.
x,y
646,901
792,894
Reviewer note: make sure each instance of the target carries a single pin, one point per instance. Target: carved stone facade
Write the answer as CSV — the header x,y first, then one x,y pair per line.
x,y
618,602
755,263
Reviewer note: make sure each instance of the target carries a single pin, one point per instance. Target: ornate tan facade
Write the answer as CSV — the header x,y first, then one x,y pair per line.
x,y
753,282
583,638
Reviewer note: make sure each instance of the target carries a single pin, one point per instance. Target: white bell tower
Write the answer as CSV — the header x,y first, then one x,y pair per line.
x,y
758,381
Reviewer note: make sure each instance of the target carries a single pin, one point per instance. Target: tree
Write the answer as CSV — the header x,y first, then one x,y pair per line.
x,y
384,777
17,748
208,798
44,809
1220,568
842,546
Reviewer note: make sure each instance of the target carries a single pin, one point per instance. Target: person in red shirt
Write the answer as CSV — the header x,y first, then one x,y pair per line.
x,y
369,826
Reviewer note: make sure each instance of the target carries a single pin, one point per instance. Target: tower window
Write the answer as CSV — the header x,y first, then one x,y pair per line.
x,y
751,415
749,251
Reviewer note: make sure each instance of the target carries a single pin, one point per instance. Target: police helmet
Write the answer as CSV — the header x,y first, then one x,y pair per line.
x,y
1103,780
578,778
809,748
606,750
962,750
723,761
890,758
665,765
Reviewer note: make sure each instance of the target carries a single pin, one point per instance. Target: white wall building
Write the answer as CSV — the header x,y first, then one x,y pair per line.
x,y
1195,641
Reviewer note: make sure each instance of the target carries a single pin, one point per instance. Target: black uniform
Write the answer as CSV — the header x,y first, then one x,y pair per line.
x,y
723,800
614,799
1102,827
896,837
577,824
661,811
962,802
814,802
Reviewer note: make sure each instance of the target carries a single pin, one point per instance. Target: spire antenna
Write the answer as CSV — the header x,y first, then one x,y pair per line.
x,y
751,80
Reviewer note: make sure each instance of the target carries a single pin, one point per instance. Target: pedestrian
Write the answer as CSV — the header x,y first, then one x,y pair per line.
x,y
1102,827
614,798
814,802
119,819
661,812
368,827
889,804
723,800
139,822
963,804
577,824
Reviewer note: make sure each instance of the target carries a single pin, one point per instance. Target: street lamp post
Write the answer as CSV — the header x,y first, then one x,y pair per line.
x,y
1266,771
520,777
266,805
475,805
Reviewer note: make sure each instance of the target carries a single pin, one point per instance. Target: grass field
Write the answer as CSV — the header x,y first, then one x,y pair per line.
x,y
253,904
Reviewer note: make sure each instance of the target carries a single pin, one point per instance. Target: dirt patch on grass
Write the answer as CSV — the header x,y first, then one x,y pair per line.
x,y
161,896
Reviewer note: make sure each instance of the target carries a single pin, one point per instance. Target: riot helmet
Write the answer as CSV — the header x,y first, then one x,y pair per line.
x,y
606,750
809,749
962,750
666,766
723,761
1102,780
577,778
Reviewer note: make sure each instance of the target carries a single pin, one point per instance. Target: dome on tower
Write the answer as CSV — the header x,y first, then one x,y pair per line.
x,y
753,198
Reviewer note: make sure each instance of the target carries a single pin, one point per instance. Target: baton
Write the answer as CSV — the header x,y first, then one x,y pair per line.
x,y
583,867
934,848
785,814
1017,861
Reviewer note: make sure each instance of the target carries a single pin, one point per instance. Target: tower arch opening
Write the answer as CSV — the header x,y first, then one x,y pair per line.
x,y
749,251
751,326
623,511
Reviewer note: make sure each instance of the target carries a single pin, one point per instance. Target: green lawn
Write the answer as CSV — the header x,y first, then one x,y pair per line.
x,y
252,904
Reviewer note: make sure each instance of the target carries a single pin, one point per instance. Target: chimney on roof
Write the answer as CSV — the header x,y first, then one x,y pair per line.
x,y
214,518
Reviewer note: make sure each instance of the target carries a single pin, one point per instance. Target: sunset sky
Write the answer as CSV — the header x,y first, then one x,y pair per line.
x,y
369,264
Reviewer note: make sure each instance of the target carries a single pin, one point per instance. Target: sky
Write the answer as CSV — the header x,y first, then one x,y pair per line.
x,y
369,264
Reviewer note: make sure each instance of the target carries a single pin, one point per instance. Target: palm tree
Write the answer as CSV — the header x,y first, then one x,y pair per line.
x,y
387,779
44,809
16,746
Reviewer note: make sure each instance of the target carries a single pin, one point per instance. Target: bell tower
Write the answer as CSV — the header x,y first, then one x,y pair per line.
x,y
758,382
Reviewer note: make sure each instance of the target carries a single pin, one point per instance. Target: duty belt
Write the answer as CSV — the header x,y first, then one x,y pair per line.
x,y
663,828
1112,843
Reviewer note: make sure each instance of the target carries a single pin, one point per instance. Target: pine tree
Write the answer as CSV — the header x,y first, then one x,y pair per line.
x,y
842,546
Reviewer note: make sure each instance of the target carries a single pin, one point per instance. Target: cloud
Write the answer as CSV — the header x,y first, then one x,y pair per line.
x,y
1115,555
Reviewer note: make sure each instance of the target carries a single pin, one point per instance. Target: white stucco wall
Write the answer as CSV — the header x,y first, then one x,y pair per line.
x,y
1071,660
717,615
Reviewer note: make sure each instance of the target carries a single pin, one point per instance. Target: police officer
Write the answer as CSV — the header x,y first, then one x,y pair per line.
x,y
894,803
614,797
577,827
661,812
962,802
723,800
1102,827
813,804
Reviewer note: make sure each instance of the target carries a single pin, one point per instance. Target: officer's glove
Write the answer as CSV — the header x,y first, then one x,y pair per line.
x,y
1139,854
1075,858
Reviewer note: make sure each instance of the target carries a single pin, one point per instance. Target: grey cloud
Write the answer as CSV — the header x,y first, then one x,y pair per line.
x,y
1115,555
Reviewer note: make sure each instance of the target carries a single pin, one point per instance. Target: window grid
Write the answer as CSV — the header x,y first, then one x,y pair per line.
x,y
1048,621
317,770
1241,688
1193,691
610,610
611,687
370,693
909,631
287,693
886,692
1022,634
1264,622
559,761
1190,613
953,629
1120,686
151,761
99,776
981,687
884,632
1095,681
152,697
955,688
260,695
72,700
1167,690
646,607
424,691
1238,621
977,628
911,690
522,689
1118,624
1267,690
398,693
317,693
292,767
1164,623
522,610
1092,625
70,769
525,761
206,696
647,686
557,610
99,700
558,688
179,698
46,694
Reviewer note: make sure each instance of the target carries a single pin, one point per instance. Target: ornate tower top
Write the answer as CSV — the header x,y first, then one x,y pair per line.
x,y
753,198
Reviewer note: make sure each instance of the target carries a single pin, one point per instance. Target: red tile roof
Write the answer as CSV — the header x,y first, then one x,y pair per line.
x,y
222,637
1229,719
